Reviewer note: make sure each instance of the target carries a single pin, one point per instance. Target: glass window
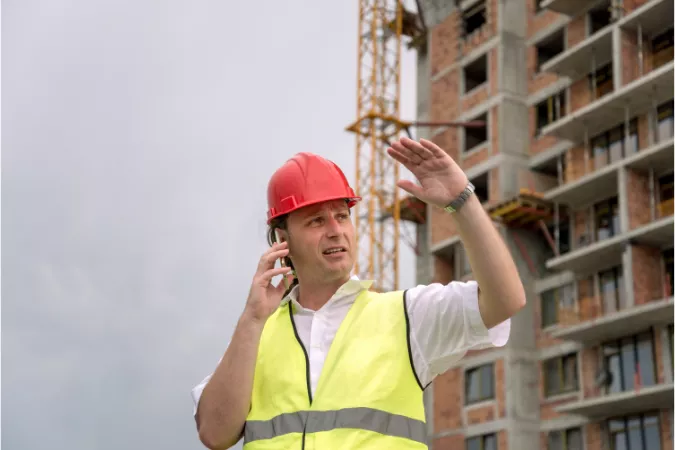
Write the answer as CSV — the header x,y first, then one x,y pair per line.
x,y
600,150
549,308
606,219
662,48
664,114
624,358
479,383
668,262
560,375
635,432
616,144
602,81
569,439
611,289
484,442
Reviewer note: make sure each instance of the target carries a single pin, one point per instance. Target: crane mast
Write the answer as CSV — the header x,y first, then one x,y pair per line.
x,y
377,216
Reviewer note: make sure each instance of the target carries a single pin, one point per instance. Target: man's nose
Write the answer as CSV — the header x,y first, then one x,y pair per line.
x,y
332,227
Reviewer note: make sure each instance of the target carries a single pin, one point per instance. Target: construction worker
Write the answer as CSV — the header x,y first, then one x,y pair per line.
x,y
328,363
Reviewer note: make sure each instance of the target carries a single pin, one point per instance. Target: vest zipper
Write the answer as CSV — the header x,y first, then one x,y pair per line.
x,y
309,385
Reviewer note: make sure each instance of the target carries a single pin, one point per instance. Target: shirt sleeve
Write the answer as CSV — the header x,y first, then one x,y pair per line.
x,y
445,323
197,393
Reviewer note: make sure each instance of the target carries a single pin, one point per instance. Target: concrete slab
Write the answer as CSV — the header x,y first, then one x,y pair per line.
x,y
652,17
567,7
622,323
602,183
623,403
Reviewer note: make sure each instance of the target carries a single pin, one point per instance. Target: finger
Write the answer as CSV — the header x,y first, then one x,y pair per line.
x,y
411,155
266,277
284,283
398,156
411,188
416,147
270,258
433,148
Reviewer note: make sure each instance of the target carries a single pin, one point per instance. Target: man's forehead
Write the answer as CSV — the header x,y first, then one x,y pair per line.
x,y
332,205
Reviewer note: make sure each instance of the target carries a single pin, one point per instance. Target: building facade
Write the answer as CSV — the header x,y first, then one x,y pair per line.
x,y
575,164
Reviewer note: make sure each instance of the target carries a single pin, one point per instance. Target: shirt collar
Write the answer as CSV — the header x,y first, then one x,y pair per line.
x,y
353,286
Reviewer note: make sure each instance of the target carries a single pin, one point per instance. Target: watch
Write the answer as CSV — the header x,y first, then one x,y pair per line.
x,y
461,199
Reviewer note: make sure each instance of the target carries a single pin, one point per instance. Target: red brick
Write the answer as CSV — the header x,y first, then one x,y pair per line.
x,y
648,281
494,130
582,227
589,369
580,94
448,391
638,198
475,97
594,436
475,158
452,442
503,440
575,162
444,38
666,430
445,97
487,31
480,414
658,354
576,31
541,21
493,71
643,131
494,194
589,303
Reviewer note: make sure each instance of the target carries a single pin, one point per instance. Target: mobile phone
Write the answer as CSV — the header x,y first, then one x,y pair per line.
x,y
282,261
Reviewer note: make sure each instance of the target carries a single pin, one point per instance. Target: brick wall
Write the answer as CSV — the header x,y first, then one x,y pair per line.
x,y
576,31
575,162
442,47
658,354
445,97
637,198
580,94
594,436
666,431
442,225
448,140
448,389
542,20
589,303
589,368
449,442
500,390
493,134
475,97
494,193
503,440
483,35
537,80
629,54
476,157
647,277
538,143
480,414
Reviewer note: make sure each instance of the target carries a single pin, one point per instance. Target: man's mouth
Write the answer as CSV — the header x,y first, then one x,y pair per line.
x,y
334,250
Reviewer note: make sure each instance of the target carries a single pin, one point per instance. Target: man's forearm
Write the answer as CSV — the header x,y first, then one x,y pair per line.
x,y
226,399
501,291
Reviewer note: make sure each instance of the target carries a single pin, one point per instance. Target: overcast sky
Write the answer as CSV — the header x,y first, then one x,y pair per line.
x,y
137,141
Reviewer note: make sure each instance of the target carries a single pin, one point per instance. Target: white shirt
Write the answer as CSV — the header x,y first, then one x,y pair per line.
x,y
444,322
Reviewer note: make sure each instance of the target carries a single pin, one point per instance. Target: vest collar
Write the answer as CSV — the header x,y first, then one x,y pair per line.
x,y
353,286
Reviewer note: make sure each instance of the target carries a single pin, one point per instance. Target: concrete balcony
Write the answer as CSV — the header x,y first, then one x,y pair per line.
x,y
576,61
568,7
622,403
639,96
618,324
650,18
607,253
603,183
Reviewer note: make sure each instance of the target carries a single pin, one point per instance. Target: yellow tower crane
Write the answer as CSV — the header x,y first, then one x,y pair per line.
x,y
381,26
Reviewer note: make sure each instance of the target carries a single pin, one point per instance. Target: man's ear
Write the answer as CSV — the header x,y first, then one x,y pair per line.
x,y
281,235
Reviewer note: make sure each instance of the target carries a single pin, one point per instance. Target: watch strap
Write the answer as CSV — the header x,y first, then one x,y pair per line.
x,y
457,203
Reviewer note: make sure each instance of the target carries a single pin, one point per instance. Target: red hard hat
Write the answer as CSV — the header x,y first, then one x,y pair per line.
x,y
304,180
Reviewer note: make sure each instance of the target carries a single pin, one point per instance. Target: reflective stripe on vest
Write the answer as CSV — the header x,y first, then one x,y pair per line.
x,y
356,418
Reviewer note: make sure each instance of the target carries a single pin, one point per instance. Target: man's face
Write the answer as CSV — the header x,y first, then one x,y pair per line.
x,y
321,241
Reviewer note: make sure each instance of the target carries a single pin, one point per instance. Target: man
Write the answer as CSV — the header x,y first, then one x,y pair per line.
x,y
330,364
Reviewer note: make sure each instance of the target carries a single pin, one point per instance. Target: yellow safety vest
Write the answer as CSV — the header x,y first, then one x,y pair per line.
x,y
368,395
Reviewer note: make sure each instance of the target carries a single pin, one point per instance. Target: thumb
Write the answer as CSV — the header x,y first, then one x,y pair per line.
x,y
411,188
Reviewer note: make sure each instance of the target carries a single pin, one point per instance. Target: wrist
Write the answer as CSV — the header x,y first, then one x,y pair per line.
x,y
455,204
250,320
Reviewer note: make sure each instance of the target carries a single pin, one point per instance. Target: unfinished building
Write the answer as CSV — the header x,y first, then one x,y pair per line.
x,y
575,164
